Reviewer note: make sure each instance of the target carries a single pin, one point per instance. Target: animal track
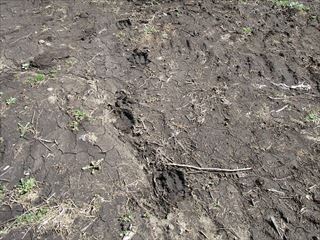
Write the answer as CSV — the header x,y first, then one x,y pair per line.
x,y
123,24
123,109
171,185
139,57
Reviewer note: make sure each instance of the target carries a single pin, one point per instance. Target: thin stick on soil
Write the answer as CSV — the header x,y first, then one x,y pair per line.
x,y
209,169
26,233
40,140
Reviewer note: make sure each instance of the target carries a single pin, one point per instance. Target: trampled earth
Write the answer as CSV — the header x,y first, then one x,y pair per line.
x,y
195,119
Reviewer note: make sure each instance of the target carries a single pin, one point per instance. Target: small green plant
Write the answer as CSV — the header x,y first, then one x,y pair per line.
x,y
52,73
291,4
247,31
150,30
80,115
46,216
38,78
31,217
11,100
24,129
313,117
26,185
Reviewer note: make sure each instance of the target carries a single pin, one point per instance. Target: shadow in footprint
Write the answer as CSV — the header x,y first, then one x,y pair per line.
x,y
139,57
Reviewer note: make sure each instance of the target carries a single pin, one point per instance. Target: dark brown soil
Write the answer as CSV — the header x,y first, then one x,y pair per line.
x,y
138,90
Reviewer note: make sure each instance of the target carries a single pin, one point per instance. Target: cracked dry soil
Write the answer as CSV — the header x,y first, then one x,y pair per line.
x,y
104,102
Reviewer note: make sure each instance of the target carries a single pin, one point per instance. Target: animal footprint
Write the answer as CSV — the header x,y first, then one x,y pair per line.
x,y
122,24
139,57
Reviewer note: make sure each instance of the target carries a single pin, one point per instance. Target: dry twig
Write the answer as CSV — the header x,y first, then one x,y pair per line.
x,y
209,169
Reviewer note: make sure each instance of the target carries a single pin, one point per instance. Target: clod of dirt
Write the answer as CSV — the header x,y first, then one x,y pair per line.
x,y
171,185
139,57
48,58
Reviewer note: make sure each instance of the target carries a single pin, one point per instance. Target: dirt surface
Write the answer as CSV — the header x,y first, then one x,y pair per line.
x,y
159,120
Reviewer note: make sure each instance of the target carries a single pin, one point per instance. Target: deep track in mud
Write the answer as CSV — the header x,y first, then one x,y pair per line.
x,y
159,120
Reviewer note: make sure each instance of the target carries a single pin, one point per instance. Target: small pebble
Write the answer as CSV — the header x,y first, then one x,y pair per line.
x,y
52,99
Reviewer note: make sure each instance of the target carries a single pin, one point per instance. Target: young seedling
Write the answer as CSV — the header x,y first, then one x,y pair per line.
x,y
150,30
45,217
52,73
79,115
247,31
93,166
313,117
38,78
31,217
11,100
24,129
291,4
26,185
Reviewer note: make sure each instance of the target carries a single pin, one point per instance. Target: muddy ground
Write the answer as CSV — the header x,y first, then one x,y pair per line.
x,y
137,120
